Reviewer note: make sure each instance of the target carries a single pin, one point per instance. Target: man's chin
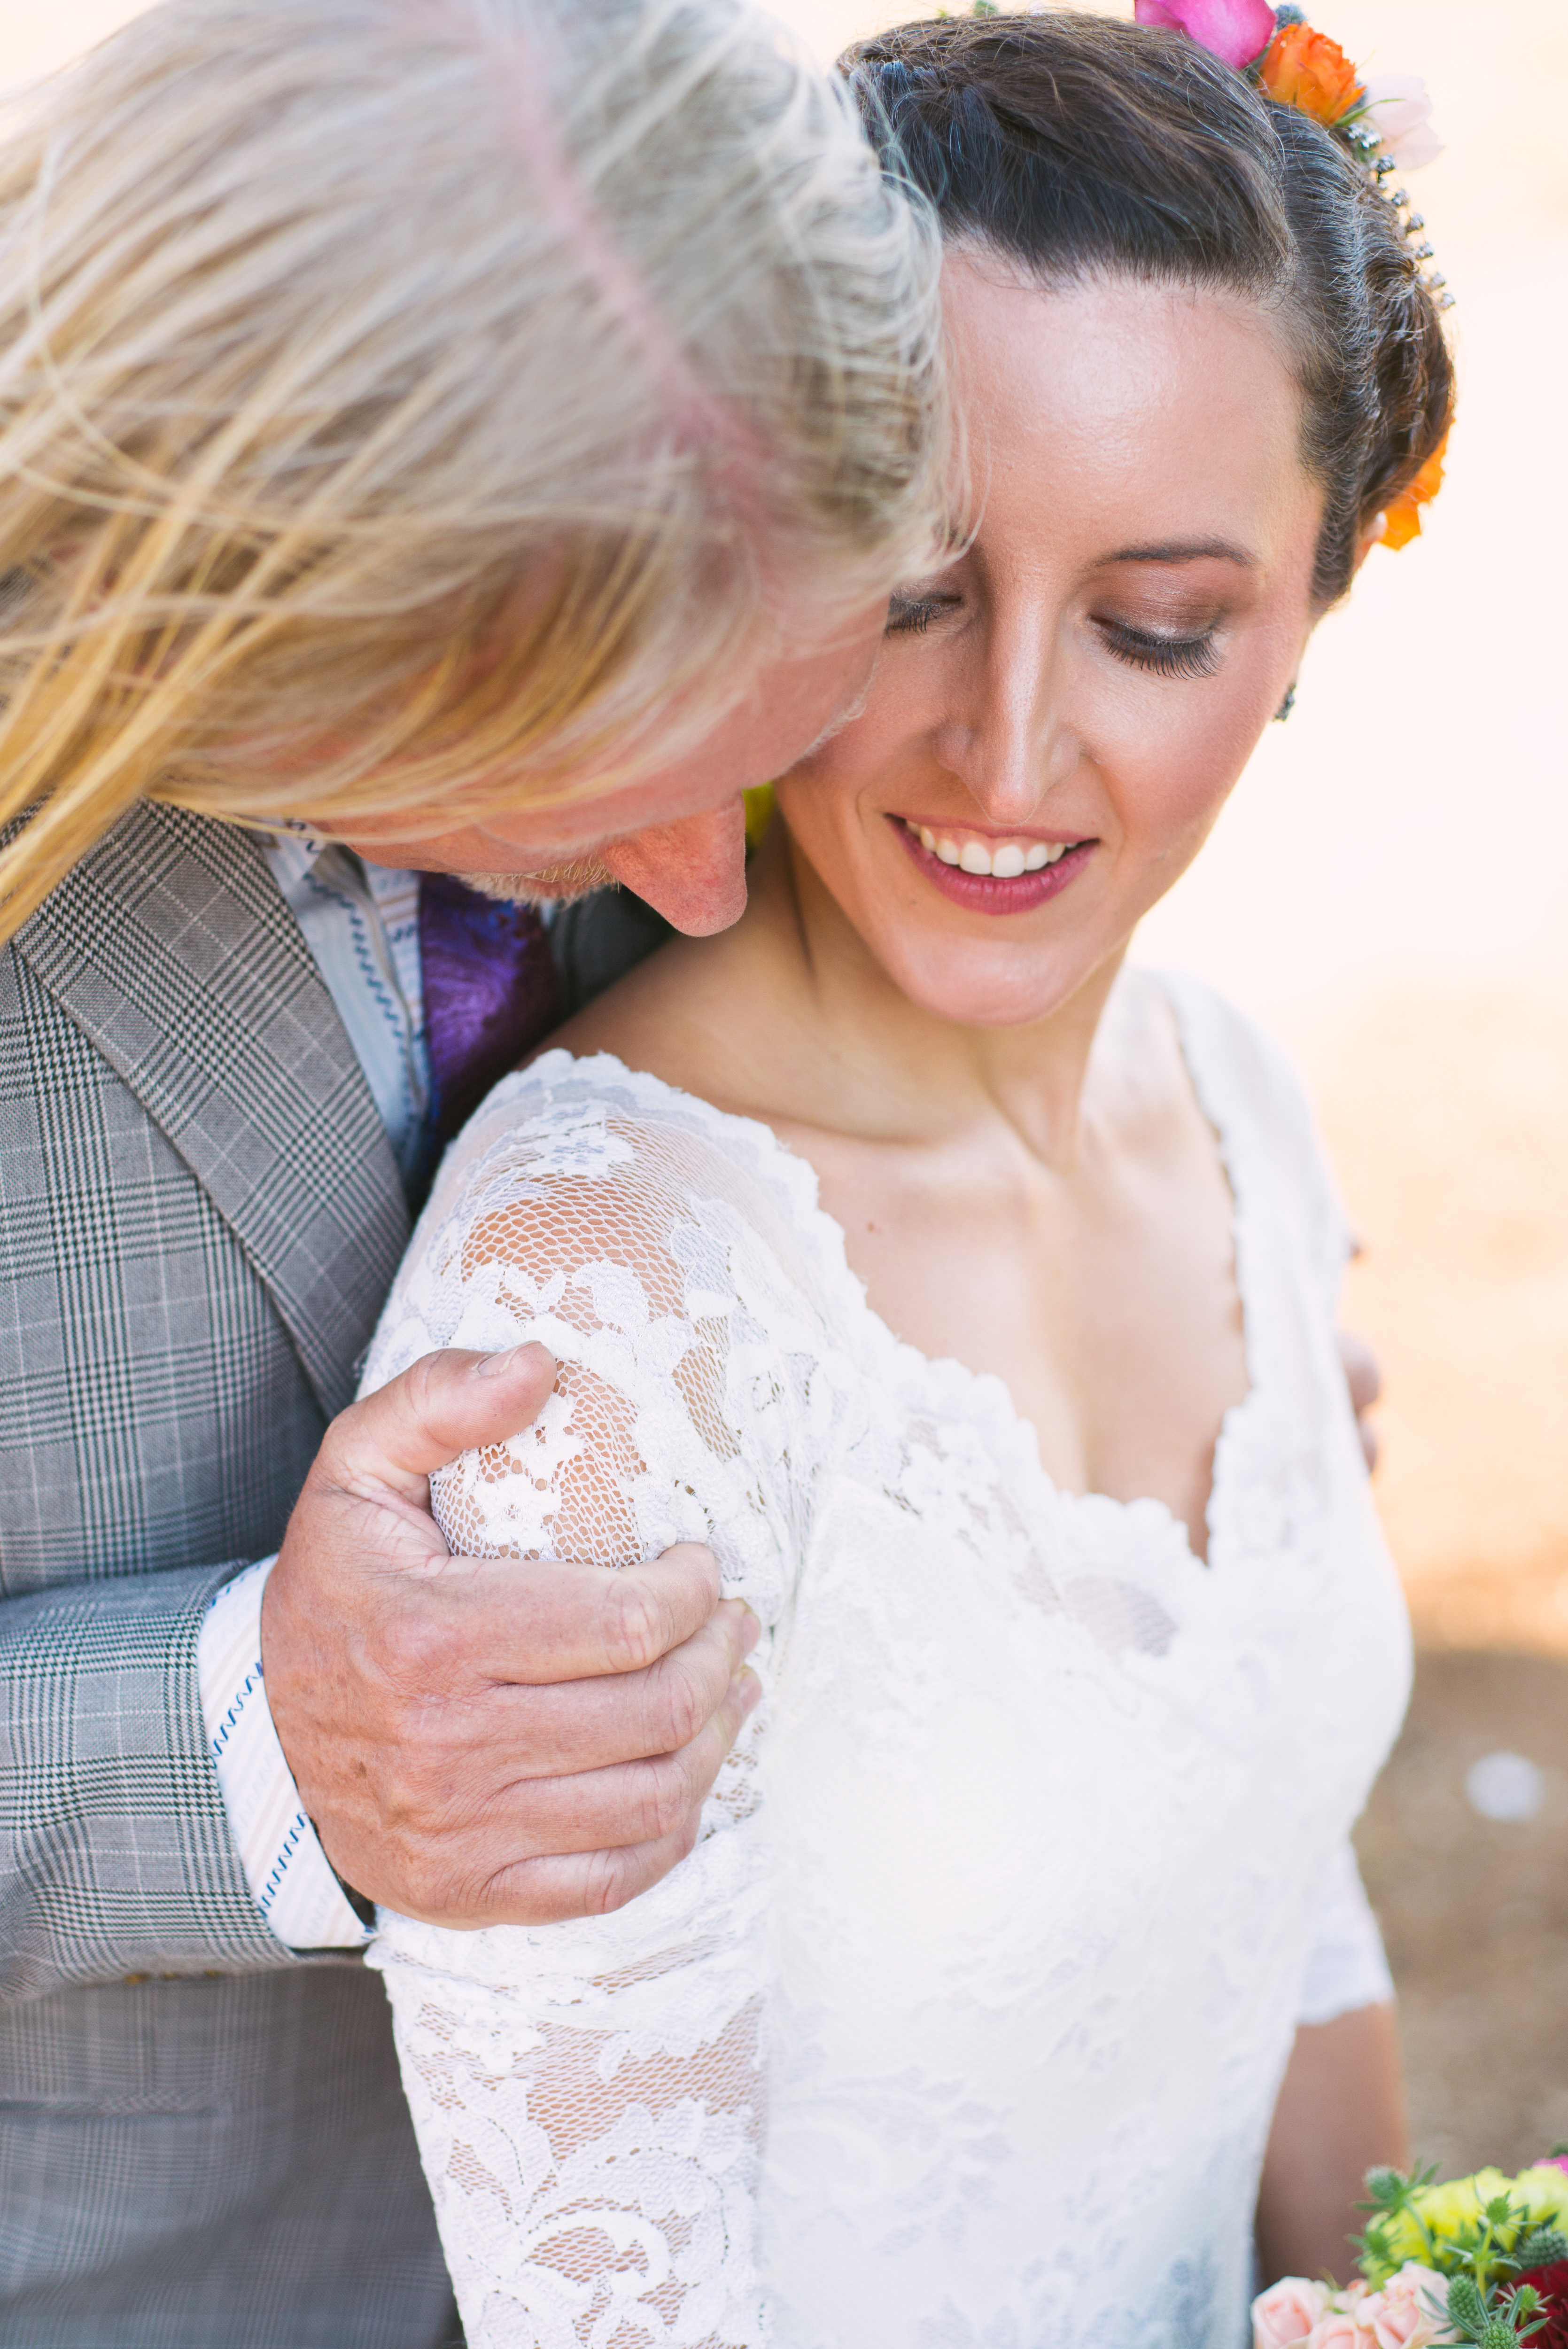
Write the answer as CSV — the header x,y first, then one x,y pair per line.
x,y
552,884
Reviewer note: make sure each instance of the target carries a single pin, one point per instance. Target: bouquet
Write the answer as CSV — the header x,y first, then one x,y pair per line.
x,y
1482,2260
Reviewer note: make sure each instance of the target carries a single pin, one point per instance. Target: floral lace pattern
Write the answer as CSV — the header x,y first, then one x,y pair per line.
x,y
961,2028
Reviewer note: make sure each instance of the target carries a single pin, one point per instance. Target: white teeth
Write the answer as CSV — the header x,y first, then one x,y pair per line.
x,y
1004,861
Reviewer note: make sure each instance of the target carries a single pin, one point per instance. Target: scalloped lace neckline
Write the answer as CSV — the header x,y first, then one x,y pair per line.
x,y
940,1374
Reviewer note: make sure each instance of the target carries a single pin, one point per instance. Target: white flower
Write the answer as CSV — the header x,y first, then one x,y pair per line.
x,y
1400,113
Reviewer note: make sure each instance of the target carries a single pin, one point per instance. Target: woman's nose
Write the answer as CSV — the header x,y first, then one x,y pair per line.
x,y
693,871
1011,744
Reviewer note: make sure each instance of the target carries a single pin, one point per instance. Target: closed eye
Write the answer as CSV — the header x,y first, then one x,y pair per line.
x,y
1163,656
912,615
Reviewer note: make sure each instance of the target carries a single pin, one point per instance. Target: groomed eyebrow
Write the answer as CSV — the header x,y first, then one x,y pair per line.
x,y
1196,550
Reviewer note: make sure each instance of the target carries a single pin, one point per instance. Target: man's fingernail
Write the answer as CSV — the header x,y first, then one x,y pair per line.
x,y
491,1366
750,1632
749,1688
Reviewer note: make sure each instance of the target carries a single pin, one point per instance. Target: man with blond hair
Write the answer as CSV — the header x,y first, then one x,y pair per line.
x,y
451,452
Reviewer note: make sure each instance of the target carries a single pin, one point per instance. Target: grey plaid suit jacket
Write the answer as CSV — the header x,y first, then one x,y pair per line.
x,y
203,2140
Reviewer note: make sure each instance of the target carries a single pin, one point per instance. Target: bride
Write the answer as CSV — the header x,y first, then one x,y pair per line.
x,y
971,1293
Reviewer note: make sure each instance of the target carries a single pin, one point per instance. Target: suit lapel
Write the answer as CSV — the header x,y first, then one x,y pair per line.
x,y
172,949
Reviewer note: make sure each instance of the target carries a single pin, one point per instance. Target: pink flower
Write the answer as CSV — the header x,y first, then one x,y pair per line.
x,y
1287,2313
1235,30
1408,2312
1340,2329
1400,113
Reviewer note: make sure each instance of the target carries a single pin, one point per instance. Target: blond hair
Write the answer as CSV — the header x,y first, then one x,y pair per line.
x,y
401,399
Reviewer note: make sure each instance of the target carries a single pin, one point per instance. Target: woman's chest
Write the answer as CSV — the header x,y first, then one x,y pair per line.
x,y
1105,1298
1013,1727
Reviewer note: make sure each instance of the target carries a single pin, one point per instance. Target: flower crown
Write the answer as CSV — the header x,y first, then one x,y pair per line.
x,y
1386,124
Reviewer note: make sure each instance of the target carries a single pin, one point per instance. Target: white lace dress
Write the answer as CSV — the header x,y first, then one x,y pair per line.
x,y
963,2022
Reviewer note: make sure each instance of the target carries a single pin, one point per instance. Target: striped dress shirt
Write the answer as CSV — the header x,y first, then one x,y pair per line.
x,y
361,923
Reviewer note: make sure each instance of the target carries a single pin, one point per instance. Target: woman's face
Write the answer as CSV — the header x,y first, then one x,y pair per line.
x,y
1055,721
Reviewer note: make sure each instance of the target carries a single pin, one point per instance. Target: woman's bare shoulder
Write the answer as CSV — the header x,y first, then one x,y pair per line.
x,y
680,1014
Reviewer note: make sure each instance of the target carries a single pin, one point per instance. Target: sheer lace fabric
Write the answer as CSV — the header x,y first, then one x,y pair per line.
x,y
963,2023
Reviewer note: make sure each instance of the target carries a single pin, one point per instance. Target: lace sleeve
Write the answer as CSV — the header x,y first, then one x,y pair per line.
x,y
588,2096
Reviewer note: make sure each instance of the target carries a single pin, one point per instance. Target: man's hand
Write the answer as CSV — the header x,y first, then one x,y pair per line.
x,y
1365,1380
488,1741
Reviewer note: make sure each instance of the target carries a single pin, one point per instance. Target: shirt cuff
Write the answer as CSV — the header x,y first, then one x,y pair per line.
x,y
1346,1969
285,1867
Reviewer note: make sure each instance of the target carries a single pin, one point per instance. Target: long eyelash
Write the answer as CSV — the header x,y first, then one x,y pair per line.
x,y
910,616
1163,656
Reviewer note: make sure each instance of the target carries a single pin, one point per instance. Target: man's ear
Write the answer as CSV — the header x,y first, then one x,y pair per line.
x,y
1370,537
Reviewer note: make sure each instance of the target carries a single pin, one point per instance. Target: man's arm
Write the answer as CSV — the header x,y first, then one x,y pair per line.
x,y
488,1740
115,1853
414,1692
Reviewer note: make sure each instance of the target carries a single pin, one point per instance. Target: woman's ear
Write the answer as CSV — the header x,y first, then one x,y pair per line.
x,y
1370,537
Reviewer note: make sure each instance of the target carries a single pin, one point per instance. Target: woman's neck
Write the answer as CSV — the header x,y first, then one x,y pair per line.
x,y
796,1022
1044,1203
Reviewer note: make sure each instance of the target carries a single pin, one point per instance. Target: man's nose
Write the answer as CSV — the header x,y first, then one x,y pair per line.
x,y
692,872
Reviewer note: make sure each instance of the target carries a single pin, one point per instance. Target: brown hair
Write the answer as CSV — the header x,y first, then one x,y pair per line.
x,y
1080,146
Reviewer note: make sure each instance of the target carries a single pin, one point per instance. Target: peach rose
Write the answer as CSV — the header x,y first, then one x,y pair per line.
x,y
1408,2312
1340,2329
1306,69
1287,2313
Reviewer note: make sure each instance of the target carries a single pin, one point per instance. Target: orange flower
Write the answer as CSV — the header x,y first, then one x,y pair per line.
x,y
1305,68
1404,513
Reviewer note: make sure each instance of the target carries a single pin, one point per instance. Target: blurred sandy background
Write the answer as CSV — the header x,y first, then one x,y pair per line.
x,y
1387,888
